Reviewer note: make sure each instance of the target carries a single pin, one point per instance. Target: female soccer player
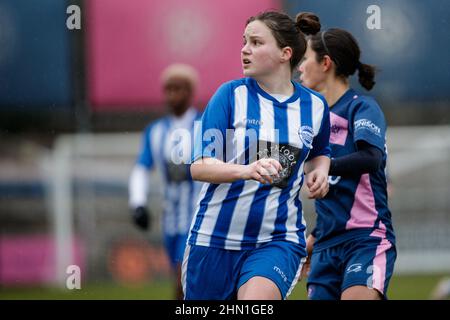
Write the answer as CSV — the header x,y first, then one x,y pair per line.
x,y
354,244
259,135
160,142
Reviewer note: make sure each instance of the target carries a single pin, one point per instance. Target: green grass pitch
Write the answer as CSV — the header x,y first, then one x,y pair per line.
x,y
404,287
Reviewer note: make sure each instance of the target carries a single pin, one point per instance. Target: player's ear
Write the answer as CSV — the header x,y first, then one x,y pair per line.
x,y
286,54
327,63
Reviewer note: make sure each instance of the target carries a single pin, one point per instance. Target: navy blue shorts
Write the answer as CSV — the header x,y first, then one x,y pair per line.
x,y
175,245
367,262
217,274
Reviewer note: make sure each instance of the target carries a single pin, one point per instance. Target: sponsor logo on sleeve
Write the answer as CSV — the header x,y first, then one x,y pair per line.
x,y
365,124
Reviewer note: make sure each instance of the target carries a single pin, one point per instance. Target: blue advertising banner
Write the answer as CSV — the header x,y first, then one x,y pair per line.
x,y
35,57
410,45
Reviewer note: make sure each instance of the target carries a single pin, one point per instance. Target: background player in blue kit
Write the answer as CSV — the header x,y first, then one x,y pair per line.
x,y
353,244
258,136
160,139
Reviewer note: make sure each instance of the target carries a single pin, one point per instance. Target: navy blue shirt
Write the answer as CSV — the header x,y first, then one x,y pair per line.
x,y
355,205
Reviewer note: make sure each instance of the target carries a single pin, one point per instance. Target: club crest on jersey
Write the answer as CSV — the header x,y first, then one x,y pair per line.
x,y
306,134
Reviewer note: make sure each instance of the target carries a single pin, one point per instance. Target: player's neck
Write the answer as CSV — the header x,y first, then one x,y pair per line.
x,y
181,112
279,83
334,89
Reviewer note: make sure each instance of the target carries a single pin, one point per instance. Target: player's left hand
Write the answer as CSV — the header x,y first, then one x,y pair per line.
x,y
317,183
141,217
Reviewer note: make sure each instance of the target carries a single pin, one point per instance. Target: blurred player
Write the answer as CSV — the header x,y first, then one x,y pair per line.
x,y
354,244
160,144
247,238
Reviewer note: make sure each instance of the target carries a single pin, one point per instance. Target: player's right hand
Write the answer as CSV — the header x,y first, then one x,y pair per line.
x,y
317,183
141,218
263,170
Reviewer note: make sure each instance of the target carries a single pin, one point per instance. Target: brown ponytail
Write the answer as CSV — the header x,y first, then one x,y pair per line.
x,y
366,75
343,50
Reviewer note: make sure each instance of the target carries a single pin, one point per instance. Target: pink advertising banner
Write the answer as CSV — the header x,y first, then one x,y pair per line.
x,y
129,43
30,259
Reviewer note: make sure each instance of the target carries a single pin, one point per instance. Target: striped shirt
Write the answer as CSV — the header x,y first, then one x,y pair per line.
x,y
243,123
160,142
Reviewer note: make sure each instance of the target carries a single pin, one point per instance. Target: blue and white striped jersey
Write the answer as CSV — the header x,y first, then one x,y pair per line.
x,y
160,142
243,123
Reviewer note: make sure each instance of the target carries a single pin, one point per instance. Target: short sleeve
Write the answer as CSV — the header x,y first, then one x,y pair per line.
x,y
369,124
145,157
321,142
210,136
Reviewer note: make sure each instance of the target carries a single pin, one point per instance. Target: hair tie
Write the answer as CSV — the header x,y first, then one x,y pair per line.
x,y
324,44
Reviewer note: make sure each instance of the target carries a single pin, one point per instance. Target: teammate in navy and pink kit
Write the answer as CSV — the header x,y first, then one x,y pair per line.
x,y
353,244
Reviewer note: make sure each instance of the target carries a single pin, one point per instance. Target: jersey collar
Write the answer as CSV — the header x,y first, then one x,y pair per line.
x,y
266,95
345,98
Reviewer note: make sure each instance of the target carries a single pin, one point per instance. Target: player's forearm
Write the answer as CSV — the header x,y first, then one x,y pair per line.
x,y
138,187
321,163
366,160
215,171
